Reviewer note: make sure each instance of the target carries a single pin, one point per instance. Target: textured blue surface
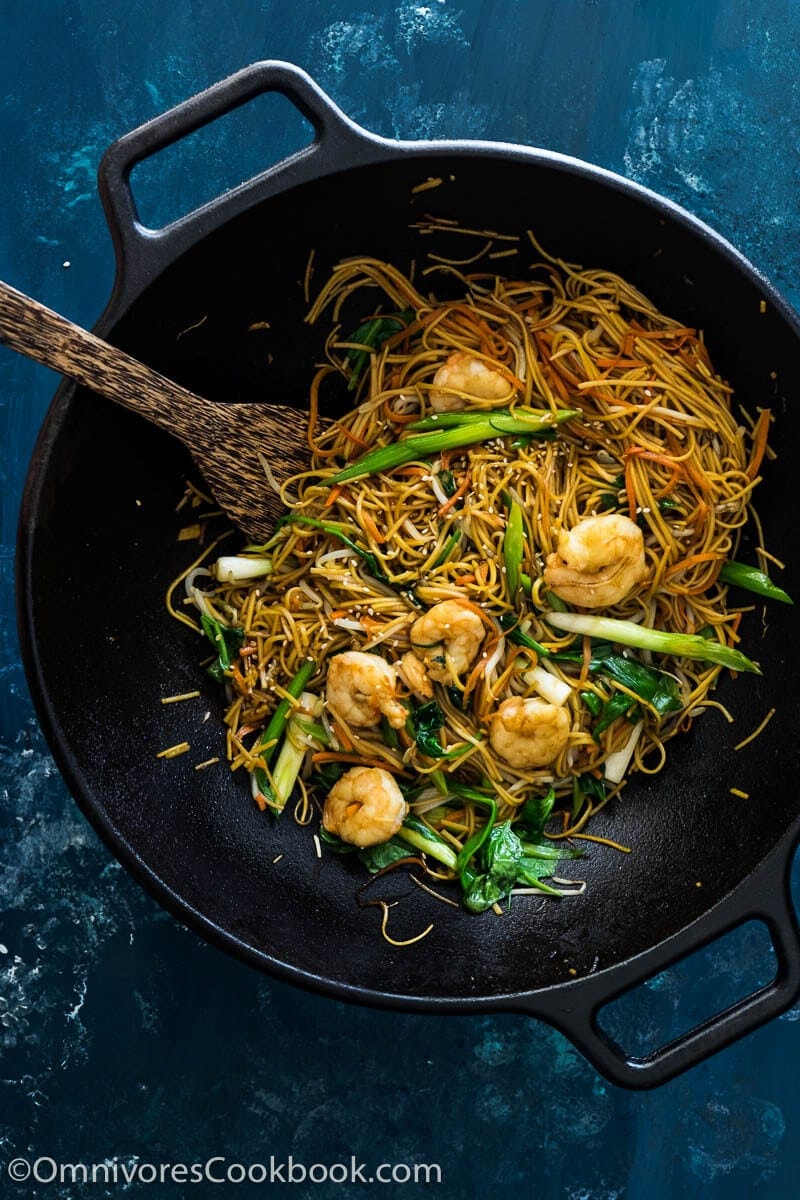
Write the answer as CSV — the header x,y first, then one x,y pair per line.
x,y
123,1036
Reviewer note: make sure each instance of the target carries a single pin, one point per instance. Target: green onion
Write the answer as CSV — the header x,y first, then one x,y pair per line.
x,y
439,781
278,723
513,549
753,580
313,729
447,549
627,633
234,568
519,637
536,420
555,602
292,753
422,445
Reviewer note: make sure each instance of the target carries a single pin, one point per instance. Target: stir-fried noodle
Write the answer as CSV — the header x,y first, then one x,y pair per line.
x,y
609,475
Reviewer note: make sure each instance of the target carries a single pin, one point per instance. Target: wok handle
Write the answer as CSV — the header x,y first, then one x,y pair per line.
x,y
142,252
576,1013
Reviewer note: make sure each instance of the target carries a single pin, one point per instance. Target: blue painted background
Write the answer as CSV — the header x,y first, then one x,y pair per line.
x,y
121,1035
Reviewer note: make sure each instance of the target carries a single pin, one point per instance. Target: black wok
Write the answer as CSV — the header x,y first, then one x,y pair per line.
x,y
97,545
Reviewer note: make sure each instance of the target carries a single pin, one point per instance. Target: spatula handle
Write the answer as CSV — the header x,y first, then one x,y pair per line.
x,y
41,334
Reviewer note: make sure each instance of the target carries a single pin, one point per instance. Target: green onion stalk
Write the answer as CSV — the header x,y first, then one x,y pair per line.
x,y
514,550
268,742
627,633
452,436
752,580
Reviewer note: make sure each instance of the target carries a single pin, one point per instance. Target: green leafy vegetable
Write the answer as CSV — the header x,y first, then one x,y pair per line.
x,y
426,722
534,815
226,640
450,436
752,580
656,688
377,858
448,482
370,335
592,702
616,706
327,774
504,863
334,843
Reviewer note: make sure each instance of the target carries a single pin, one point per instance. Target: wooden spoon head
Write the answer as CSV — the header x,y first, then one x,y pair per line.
x,y
226,449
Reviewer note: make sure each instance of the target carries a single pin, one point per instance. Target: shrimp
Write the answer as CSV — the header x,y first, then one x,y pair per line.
x,y
599,561
361,688
447,639
415,676
463,377
364,807
529,733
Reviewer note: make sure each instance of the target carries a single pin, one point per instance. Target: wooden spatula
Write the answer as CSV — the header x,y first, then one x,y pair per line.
x,y
223,439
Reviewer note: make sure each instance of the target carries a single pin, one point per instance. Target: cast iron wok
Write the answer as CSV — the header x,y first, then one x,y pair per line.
x,y
97,545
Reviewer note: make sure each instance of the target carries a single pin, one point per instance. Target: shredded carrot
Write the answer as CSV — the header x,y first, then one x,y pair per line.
x,y
370,623
629,490
463,579
348,433
372,528
333,495
685,563
341,736
478,669
652,456
678,334
760,434
457,494
241,682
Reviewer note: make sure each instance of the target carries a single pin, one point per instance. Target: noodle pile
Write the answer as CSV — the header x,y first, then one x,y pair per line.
x,y
655,439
